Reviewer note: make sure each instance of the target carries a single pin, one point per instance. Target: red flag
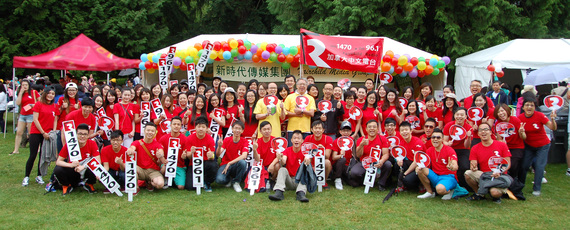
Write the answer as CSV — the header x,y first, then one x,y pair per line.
x,y
348,53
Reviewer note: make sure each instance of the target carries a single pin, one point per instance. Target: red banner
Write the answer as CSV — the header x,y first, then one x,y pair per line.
x,y
348,53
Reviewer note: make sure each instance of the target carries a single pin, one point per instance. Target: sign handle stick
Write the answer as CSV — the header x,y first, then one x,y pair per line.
x,y
366,189
376,81
320,188
130,196
119,193
251,192
198,190
170,181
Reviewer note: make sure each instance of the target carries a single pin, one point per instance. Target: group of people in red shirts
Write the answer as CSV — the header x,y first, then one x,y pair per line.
x,y
360,128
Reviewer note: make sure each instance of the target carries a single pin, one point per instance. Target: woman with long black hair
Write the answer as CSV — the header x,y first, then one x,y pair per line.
x,y
26,100
249,118
511,137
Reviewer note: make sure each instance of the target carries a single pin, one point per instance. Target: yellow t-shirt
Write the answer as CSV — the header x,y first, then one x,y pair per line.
x,y
274,120
299,123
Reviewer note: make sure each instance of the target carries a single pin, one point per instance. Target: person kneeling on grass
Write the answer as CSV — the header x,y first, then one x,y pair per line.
x,y
443,169
364,147
112,158
70,174
200,140
291,158
150,156
322,141
233,161
175,127
481,178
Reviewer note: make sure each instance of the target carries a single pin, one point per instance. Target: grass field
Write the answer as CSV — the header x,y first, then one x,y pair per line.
x,y
29,208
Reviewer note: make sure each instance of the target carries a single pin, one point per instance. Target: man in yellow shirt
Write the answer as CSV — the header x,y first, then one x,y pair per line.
x,y
299,117
272,115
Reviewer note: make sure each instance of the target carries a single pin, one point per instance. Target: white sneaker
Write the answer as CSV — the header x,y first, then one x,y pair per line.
x,y
536,193
427,195
40,180
568,172
165,187
26,181
544,181
338,184
448,196
237,187
229,185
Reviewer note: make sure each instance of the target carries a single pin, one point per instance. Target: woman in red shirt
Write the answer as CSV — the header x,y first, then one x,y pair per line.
x,y
45,120
480,101
382,92
183,107
174,91
26,100
198,110
537,144
248,117
156,91
214,104
449,106
125,114
426,89
350,97
412,115
369,112
163,121
231,106
433,111
67,104
391,108
408,93
461,146
511,137
360,99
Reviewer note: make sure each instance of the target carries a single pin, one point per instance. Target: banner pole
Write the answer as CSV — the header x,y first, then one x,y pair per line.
x,y
14,97
302,57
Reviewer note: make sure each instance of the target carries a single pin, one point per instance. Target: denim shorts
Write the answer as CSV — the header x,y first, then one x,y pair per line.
x,y
448,181
26,118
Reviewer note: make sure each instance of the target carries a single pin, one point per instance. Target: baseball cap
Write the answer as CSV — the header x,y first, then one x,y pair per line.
x,y
451,95
71,85
345,125
217,77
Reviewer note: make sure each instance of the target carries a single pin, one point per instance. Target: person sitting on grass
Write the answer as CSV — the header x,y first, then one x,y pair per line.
x,y
442,171
480,177
323,141
175,127
341,157
291,159
364,147
150,156
112,158
233,161
200,140
70,174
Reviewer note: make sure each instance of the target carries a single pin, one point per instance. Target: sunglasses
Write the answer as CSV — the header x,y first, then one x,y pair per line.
x,y
429,126
436,137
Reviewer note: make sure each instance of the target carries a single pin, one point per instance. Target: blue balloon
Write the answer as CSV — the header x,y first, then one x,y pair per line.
x,y
403,74
285,51
144,57
210,61
240,57
391,71
155,58
312,67
248,55
227,55
141,66
433,62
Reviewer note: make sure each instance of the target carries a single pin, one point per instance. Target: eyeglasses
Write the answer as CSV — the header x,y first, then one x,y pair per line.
x,y
436,137
82,134
478,86
484,130
429,126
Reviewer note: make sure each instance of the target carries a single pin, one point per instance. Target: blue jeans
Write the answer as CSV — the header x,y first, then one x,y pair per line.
x,y
119,176
540,156
236,172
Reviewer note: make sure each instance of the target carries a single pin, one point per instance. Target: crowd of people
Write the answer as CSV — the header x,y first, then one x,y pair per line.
x,y
254,114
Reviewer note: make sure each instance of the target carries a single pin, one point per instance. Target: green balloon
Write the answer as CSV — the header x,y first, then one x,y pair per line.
x,y
230,60
293,50
234,52
200,53
435,72
189,59
247,44
273,57
282,46
286,65
440,64
421,59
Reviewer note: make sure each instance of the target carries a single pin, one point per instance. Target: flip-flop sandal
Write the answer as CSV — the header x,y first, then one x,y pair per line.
x,y
14,153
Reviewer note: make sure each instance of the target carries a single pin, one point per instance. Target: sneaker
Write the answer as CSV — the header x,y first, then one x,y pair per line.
x,y
497,200
448,196
536,193
277,196
40,180
426,195
67,190
26,181
207,188
165,187
150,188
568,172
89,188
544,181
338,184
301,197
326,187
475,197
50,187
228,185
237,187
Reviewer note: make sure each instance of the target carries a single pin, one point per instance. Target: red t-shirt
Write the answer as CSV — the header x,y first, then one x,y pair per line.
x,y
346,117
265,151
250,126
534,129
233,112
437,115
126,115
416,125
358,104
233,150
347,154
514,141
165,123
46,117
469,101
183,141
367,115
294,160
325,140
377,142
456,144
108,155
481,153
439,160
414,145
426,142
77,117
489,115
143,159
448,117
63,113
207,144
241,102
90,149
28,99
388,114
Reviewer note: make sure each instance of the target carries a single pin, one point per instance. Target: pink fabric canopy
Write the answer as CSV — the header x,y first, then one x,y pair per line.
x,y
81,53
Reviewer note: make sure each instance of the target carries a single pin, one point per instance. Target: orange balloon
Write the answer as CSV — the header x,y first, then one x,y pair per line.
x,y
289,58
390,53
198,46
259,51
408,67
255,58
386,67
428,70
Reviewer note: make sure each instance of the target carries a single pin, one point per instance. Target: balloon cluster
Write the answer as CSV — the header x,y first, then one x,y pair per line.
x,y
497,68
228,51
405,65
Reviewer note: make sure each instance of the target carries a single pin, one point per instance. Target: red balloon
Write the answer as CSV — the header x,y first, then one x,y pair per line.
x,y
240,42
270,48
295,64
183,66
281,57
289,58
255,58
421,73
217,46
398,70
394,62
491,68
500,74
148,64
298,58
242,50
154,65
226,47
414,61
163,56
387,58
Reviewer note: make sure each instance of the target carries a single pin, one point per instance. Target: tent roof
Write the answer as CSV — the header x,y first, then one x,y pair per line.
x,y
521,54
290,40
81,53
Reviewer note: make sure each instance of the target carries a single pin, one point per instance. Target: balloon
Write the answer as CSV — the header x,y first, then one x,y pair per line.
x,y
247,44
491,68
408,56
289,58
255,58
263,46
312,67
217,46
227,55
440,64
421,65
148,65
192,52
500,74
413,73
254,49
234,44
293,50
295,64
176,61
213,55
421,59
278,49
433,62
273,57
248,55
149,57
142,66
155,58
421,73
151,70
387,58
404,73
398,70
281,57
265,55
385,66
183,66
394,61
286,51
226,47
390,53
230,60
435,72
234,52
240,42
408,67
391,70
210,61
428,70
189,59
446,60
285,65
198,46
240,57
163,56
270,48
414,61
144,57
242,50
434,57
259,52
155,65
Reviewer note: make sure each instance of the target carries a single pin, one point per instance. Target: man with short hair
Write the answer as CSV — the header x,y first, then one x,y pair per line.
x,y
408,177
310,80
150,157
291,160
480,176
200,140
476,86
70,174
369,84
390,126
84,116
442,170
272,115
323,141
429,126
331,117
364,147
497,95
175,127
290,82
233,161
299,118
112,158
262,150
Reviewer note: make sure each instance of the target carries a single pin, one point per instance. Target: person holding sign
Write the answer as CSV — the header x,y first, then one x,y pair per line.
x,y
349,98
270,109
200,140
175,128
476,118
507,130
432,111
291,159
68,103
329,111
411,144
70,174
536,142
364,147
370,112
85,116
413,116
342,149
231,107
262,150
441,172
150,157
480,167
247,117
391,108
125,114
144,96
457,134
163,120
300,108
233,161
323,141
112,158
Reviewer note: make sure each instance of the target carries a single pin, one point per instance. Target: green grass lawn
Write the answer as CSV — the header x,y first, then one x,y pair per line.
x,y
29,208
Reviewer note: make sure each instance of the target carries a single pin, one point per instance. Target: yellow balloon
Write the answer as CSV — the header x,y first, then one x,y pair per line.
x,y
151,70
421,65
149,56
263,45
221,54
192,52
434,56
233,44
213,55
402,60
175,66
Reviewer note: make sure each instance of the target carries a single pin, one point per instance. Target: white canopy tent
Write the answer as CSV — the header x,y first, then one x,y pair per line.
x,y
517,56
291,40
